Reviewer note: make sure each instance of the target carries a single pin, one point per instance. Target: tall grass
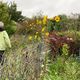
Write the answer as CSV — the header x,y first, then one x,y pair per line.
x,y
22,61
28,60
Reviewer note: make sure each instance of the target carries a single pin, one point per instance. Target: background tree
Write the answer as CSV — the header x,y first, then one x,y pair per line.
x,y
9,24
4,15
14,14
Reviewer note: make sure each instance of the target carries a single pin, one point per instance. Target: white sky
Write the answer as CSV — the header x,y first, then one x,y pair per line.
x,y
49,7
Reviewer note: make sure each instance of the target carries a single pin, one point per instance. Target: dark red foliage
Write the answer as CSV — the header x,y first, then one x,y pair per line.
x,y
56,42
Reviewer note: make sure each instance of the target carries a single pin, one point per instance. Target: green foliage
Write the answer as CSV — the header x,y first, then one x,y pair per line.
x,y
66,23
50,25
70,23
53,25
11,28
22,61
4,15
65,50
60,70
9,14
14,14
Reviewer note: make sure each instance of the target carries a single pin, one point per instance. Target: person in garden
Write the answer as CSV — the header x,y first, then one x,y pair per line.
x,y
4,41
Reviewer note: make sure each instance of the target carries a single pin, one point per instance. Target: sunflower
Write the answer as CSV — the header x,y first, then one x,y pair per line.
x,y
57,18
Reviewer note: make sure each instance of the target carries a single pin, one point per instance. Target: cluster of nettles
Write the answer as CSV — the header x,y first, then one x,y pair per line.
x,y
47,25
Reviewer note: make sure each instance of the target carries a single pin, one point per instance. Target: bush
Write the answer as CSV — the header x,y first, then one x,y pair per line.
x,y
11,27
8,15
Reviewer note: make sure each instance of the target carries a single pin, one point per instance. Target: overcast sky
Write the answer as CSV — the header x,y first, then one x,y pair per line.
x,y
49,7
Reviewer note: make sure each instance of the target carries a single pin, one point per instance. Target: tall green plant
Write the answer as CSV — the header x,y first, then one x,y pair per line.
x,y
4,15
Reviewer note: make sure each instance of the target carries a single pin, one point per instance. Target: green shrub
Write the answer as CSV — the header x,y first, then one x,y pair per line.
x,y
11,27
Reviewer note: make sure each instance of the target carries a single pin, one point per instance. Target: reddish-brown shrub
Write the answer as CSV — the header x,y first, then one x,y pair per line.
x,y
56,43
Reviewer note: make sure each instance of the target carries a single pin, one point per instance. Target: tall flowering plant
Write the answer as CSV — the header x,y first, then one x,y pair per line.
x,y
54,24
40,30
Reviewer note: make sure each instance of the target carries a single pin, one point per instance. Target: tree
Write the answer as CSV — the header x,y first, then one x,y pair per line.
x,y
4,15
14,14
9,24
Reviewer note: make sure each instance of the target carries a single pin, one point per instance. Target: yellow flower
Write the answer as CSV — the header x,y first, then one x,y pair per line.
x,y
35,37
47,33
36,32
39,21
57,18
45,20
43,29
45,17
30,37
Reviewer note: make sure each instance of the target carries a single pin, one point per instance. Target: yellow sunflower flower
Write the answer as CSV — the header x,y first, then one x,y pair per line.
x,y
57,18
